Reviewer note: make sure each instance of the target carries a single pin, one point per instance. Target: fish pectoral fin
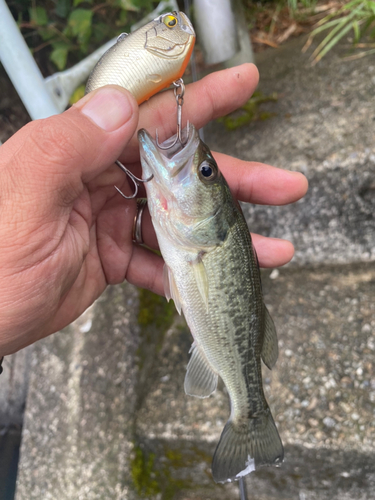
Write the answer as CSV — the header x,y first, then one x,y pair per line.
x,y
200,379
201,279
170,288
270,349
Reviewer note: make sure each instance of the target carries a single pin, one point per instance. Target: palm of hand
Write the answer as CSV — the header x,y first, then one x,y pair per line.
x,y
66,232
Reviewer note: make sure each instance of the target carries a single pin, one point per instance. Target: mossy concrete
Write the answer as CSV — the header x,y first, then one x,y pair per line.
x,y
77,438
321,392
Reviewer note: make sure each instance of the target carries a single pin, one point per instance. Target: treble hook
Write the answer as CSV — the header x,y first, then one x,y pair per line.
x,y
179,84
133,178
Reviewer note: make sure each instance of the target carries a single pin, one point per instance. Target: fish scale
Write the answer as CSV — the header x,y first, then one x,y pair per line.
x,y
212,274
224,273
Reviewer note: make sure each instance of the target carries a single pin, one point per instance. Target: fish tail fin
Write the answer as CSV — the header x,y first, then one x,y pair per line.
x,y
246,446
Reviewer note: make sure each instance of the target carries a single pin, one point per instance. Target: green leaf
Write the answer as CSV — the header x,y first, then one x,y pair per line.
x,y
47,33
367,24
333,42
59,54
80,22
357,31
102,31
344,23
128,5
77,2
80,25
122,19
38,16
77,94
62,8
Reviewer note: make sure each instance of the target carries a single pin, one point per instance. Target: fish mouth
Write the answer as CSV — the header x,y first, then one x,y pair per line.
x,y
168,159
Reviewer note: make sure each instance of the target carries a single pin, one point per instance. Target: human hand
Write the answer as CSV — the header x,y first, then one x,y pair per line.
x,y
65,231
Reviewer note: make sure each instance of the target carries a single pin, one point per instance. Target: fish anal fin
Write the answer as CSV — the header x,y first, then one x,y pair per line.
x,y
170,288
200,379
201,279
270,349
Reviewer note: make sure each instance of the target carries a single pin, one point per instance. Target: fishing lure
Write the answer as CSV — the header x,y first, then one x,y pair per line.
x,y
145,62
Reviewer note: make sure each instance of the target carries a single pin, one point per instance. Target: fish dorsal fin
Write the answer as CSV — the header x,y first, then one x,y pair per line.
x,y
200,379
201,279
270,349
170,288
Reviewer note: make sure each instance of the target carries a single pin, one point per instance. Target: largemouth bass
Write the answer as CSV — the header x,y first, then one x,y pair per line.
x,y
212,273
149,59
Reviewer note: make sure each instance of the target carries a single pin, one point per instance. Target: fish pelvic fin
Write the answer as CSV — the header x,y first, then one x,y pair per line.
x,y
200,379
245,447
170,288
270,349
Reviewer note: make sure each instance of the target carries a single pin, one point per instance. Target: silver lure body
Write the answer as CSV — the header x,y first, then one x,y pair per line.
x,y
211,272
149,59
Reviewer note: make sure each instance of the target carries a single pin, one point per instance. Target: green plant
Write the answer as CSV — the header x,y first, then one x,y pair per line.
x,y
307,4
356,15
249,112
66,30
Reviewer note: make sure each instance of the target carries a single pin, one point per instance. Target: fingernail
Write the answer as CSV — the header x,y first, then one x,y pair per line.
x,y
108,108
295,174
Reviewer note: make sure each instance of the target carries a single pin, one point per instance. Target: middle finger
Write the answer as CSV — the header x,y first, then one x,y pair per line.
x,y
215,95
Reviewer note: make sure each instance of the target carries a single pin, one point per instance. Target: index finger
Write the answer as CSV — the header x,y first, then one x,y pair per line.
x,y
215,95
254,182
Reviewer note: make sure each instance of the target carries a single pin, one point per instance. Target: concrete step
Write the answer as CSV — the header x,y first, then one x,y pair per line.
x,y
323,126
322,390
100,436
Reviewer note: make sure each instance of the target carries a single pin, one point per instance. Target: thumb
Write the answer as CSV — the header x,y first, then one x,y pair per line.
x,y
60,153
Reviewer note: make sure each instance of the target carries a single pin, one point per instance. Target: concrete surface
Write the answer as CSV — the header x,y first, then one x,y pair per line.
x,y
13,387
324,127
322,394
106,414
77,435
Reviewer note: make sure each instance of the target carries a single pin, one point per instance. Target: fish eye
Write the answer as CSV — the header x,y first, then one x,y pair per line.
x,y
170,21
207,171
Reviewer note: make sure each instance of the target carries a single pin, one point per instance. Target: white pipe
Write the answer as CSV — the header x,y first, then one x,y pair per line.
x,y
61,85
216,29
22,69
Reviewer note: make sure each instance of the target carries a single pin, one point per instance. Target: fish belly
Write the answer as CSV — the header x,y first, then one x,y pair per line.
x,y
228,328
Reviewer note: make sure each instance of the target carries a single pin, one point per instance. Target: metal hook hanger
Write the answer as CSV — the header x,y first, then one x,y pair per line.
x,y
179,84
179,93
242,486
133,178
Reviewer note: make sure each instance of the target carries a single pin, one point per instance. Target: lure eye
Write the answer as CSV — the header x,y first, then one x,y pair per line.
x,y
170,21
207,171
